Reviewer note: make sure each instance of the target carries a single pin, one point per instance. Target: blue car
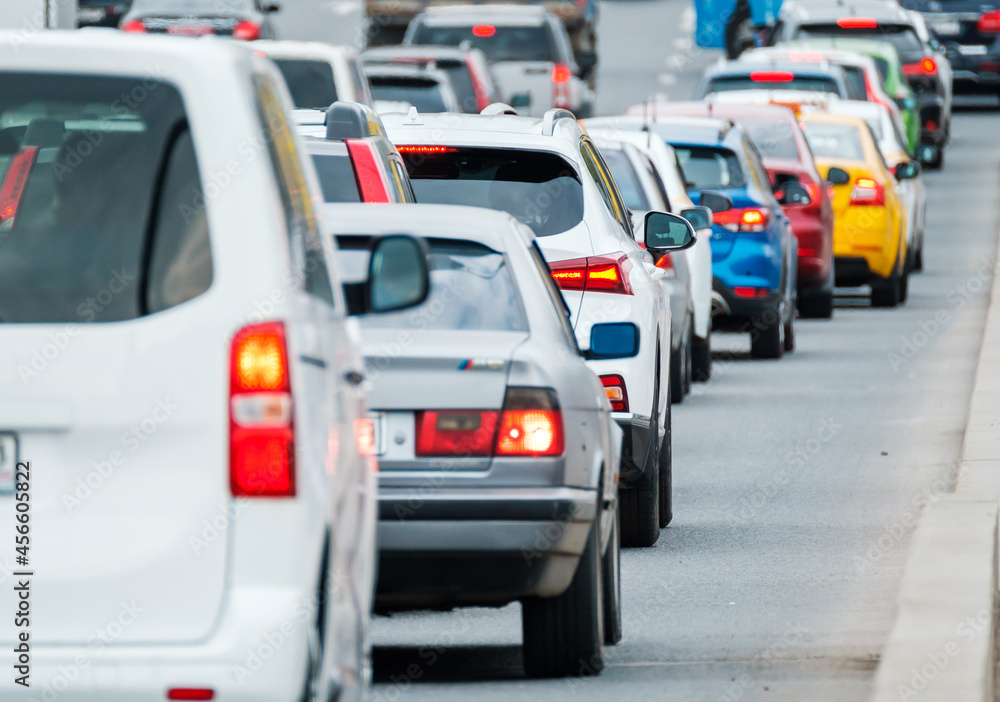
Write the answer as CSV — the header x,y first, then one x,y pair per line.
x,y
754,252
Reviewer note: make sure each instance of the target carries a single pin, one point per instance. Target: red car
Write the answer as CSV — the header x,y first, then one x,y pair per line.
x,y
789,163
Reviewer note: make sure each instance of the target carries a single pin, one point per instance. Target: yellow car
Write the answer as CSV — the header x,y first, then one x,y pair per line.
x,y
870,220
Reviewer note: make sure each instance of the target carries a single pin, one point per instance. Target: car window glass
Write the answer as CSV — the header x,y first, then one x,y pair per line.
x,y
902,37
834,141
855,79
309,82
426,95
499,43
362,92
626,179
710,168
401,181
756,168
558,301
661,187
606,184
819,84
336,177
461,82
772,138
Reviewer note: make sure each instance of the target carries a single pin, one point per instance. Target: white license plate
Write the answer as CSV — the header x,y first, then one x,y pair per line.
x,y
972,49
946,27
190,30
378,432
8,461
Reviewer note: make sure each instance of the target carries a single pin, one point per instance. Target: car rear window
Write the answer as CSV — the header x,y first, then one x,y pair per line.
x,y
540,189
310,82
773,139
818,84
857,89
471,289
841,141
626,179
709,168
102,213
336,176
422,93
461,81
903,37
499,43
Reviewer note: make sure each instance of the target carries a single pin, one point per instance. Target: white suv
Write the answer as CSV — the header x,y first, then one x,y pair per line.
x,y
549,174
179,397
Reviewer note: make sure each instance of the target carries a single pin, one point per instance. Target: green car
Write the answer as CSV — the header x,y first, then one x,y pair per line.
x,y
887,61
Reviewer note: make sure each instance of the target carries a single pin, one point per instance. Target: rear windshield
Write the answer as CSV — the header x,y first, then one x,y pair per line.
x,y
471,288
195,7
899,35
102,214
425,95
499,43
538,188
626,179
817,84
336,176
310,82
773,139
841,141
708,168
856,87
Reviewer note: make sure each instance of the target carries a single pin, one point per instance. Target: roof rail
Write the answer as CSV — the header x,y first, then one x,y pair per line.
x,y
552,116
498,108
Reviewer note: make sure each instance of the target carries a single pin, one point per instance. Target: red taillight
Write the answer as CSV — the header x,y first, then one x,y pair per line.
x,y
926,67
374,186
930,125
746,219
246,30
482,98
530,432
596,273
133,26
867,191
808,253
425,150
989,22
190,693
561,75
750,292
455,432
261,433
484,30
666,262
771,76
12,188
857,23
614,388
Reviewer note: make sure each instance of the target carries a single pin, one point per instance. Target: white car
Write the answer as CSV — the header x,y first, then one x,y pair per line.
x,y
528,48
318,74
699,257
548,173
180,395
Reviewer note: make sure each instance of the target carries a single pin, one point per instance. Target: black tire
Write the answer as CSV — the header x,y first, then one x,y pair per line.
x,y
677,374
768,342
887,293
918,258
701,358
666,476
564,635
688,362
789,342
639,514
816,305
611,595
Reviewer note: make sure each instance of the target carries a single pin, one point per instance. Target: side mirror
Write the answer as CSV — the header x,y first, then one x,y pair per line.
x,y
520,100
793,194
398,277
838,176
613,340
906,170
717,202
699,217
664,232
586,60
927,153
270,8
936,46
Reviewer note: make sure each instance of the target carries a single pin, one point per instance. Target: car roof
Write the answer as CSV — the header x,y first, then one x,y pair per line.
x,y
727,110
816,11
787,52
556,127
832,118
491,228
303,49
798,68
503,15
854,44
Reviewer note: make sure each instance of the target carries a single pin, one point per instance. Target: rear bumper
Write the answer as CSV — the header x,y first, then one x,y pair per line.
x,y
479,546
854,271
258,652
735,311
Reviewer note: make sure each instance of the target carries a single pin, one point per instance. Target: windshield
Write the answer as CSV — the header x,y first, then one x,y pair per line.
x,y
626,179
840,141
540,189
310,82
425,95
817,84
499,43
708,168
899,35
773,139
471,289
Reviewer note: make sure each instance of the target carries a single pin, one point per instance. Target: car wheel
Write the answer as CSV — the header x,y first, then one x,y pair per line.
x,y
639,514
666,476
677,374
564,635
701,358
816,305
789,341
611,567
918,259
886,293
767,341
688,362
904,286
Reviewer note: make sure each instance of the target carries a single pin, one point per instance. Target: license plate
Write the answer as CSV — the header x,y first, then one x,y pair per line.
x,y
378,432
972,49
8,461
946,27
190,30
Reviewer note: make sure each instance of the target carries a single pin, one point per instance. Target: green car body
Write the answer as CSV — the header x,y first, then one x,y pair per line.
x,y
893,81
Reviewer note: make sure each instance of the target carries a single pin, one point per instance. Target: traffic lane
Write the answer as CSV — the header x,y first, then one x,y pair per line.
x,y
797,484
331,21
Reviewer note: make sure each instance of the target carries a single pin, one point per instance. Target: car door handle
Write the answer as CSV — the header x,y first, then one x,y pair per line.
x,y
354,378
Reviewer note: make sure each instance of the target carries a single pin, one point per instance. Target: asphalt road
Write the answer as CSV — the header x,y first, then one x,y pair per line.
x,y
797,482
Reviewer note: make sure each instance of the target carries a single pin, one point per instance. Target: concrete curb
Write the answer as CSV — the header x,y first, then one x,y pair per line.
x,y
941,646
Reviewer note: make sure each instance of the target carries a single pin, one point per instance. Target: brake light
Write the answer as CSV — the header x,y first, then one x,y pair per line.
x,y
596,273
771,76
246,30
930,125
456,432
989,22
133,26
746,219
614,388
867,191
561,75
857,23
482,98
12,188
421,149
926,67
484,30
750,292
374,187
261,434
190,693
666,262
530,432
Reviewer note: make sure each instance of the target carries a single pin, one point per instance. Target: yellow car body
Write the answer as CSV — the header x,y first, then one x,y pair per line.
x,y
869,236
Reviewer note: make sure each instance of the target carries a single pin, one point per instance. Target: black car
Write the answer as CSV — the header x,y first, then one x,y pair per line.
x,y
970,33
101,13
239,19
